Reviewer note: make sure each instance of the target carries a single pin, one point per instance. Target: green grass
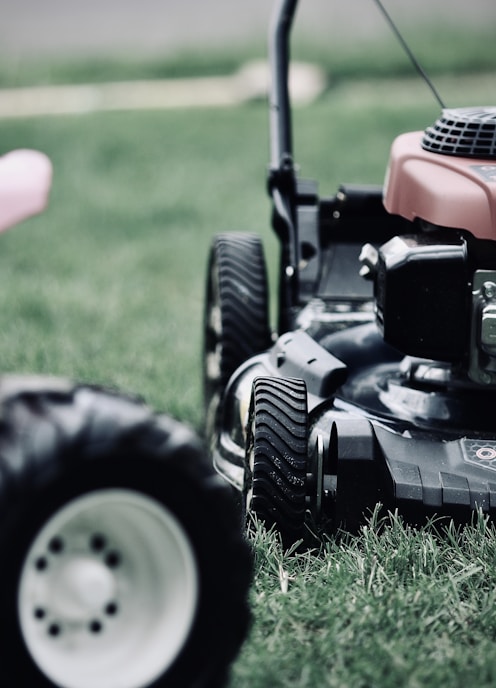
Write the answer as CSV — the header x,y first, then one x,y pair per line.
x,y
434,48
27,72
107,286
341,59
390,607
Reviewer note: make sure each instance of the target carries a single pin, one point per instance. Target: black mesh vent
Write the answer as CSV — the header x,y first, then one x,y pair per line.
x,y
466,132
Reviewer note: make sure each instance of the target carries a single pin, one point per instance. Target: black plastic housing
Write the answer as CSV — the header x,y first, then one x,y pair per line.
x,y
422,291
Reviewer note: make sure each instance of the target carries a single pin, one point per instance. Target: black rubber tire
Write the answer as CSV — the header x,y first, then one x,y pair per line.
x,y
277,455
59,442
236,318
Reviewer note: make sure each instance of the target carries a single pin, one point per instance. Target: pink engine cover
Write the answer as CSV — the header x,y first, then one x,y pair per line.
x,y
444,190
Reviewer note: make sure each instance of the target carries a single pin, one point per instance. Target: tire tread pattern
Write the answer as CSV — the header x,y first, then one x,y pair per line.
x,y
279,419
239,263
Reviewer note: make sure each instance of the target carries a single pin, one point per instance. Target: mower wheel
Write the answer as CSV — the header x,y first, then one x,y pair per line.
x,y
236,321
276,456
116,536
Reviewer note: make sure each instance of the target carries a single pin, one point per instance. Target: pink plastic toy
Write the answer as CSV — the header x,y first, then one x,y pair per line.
x,y
25,181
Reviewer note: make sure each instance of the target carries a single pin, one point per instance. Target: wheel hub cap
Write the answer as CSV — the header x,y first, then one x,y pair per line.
x,y
108,592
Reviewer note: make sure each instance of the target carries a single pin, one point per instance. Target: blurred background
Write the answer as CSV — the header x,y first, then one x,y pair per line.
x,y
120,27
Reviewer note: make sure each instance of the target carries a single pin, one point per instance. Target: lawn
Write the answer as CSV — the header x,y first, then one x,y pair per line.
x,y
107,286
391,608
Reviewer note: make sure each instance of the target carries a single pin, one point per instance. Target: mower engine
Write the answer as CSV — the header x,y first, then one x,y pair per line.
x,y
435,290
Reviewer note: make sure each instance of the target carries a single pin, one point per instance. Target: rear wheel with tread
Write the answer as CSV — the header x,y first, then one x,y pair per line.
x,y
236,321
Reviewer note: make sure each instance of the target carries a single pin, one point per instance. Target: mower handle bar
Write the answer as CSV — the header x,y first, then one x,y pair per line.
x,y
280,110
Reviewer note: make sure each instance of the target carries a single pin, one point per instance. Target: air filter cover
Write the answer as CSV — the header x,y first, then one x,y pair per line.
x,y
464,132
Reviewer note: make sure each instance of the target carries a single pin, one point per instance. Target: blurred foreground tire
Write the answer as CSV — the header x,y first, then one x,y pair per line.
x,y
122,564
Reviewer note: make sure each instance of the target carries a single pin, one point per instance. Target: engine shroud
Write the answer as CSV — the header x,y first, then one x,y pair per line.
x,y
447,175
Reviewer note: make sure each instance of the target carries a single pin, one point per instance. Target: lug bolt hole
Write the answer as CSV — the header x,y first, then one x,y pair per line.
x,y
96,627
39,613
113,560
98,542
41,564
54,630
56,545
111,609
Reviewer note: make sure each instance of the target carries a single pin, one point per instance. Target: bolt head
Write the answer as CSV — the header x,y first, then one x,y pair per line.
x,y
488,290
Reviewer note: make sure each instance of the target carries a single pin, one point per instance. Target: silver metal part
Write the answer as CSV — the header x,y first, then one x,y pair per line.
x,y
369,258
319,482
482,355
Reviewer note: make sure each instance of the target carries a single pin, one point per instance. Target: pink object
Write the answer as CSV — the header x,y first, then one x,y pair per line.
x,y
25,181
445,190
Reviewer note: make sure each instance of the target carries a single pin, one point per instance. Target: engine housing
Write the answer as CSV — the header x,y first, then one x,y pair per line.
x,y
447,174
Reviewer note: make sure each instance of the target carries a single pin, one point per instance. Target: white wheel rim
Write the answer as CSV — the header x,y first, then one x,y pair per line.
x,y
108,592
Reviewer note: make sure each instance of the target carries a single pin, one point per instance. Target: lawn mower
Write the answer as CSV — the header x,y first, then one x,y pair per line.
x,y
123,565
380,384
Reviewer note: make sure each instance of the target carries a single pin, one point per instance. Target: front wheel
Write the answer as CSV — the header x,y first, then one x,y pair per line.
x,y
116,537
277,456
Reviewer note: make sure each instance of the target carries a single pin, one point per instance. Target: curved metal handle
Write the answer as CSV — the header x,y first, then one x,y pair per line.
x,y
280,110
